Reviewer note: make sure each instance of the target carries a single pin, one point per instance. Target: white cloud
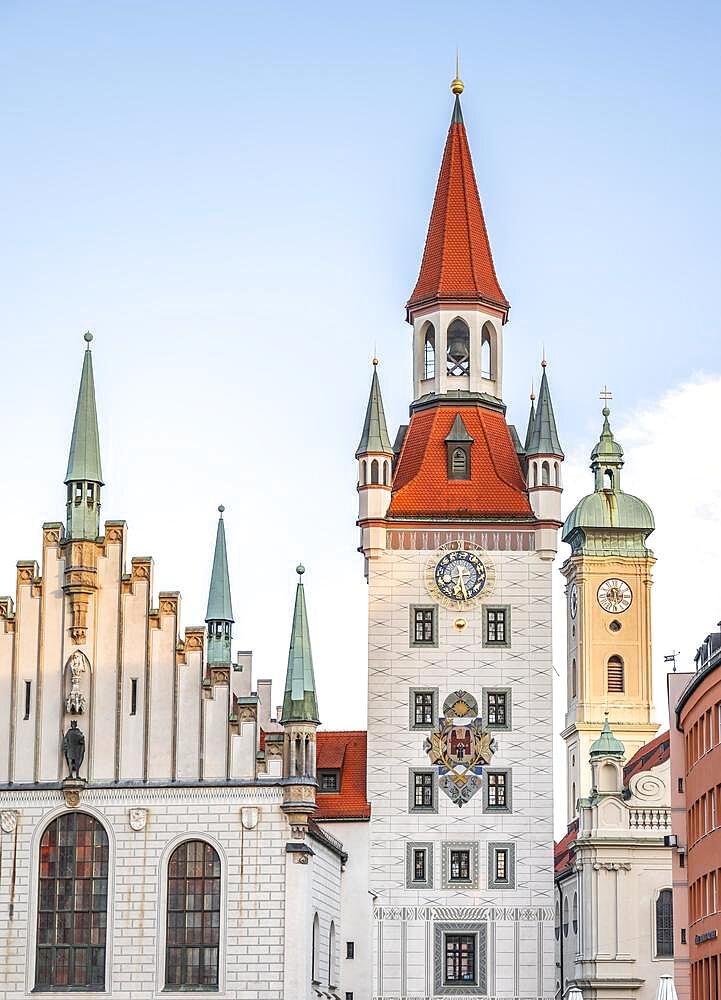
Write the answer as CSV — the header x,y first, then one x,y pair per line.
x,y
671,461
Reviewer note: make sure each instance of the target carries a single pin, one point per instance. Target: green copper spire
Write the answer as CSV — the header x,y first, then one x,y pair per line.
x,y
299,701
607,745
84,477
84,460
375,433
531,422
607,458
544,436
219,616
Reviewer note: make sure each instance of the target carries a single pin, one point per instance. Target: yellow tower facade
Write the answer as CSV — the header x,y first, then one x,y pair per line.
x,y
608,618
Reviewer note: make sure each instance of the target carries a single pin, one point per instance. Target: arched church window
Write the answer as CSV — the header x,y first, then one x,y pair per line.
x,y
615,676
429,352
331,955
573,799
556,474
486,352
364,472
565,917
558,921
72,904
374,472
315,954
575,913
386,473
458,360
192,943
664,924
535,473
545,474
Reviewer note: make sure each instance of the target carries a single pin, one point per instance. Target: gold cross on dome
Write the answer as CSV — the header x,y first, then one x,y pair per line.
x,y
605,395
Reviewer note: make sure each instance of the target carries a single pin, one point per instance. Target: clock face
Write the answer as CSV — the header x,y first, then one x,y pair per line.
x,y
615,596
459,575
573,601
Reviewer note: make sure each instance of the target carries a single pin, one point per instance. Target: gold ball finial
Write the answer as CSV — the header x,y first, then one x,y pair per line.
x,y
457,83
375,362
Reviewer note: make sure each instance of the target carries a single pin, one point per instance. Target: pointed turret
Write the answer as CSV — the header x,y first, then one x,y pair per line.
x,y
375,471
544,458
299,701
457,308
531,422
219,616
544,436
84,476
607,745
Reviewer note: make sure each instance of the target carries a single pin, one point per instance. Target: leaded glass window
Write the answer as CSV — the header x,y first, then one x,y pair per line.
x,y
497,789
460,866
664,924
419,865
423,787
496,708
423,626
496,626
423,708
460,958
193,927
72,904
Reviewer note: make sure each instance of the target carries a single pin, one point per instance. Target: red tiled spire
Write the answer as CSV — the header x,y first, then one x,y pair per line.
x,y
457,262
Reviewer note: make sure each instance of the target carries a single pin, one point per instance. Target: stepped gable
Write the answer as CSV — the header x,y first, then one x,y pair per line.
x,y
421,484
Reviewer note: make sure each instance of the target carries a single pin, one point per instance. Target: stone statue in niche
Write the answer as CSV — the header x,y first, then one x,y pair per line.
x,y
74,749
75,702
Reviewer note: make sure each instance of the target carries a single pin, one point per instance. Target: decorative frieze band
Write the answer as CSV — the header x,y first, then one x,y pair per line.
x,y
493,913
430,539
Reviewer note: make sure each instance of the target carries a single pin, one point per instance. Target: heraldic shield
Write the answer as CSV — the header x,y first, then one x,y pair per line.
x,y
459,750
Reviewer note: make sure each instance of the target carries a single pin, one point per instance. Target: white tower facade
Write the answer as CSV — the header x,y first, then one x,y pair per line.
x,y
459,565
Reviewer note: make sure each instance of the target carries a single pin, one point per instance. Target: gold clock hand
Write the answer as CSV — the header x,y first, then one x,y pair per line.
x,y
461,575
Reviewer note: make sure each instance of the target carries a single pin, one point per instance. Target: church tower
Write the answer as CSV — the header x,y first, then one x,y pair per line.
x,y
458,528
608,613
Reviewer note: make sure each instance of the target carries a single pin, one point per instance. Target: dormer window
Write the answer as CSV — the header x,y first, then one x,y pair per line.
x,y
328,779
458,443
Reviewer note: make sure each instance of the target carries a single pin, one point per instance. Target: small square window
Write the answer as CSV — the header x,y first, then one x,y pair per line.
x,y
350,949
422,791
497,626
424,625
497,704
460,866
498,791
423,708
328,780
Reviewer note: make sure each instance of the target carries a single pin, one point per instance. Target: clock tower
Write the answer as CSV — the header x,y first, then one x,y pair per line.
x,y
608,617
458,528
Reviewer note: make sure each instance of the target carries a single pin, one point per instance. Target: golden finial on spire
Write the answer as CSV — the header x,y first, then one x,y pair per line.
x,y
457,83
533,395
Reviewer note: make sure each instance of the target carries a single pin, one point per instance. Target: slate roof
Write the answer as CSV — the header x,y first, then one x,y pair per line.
x,y
346,750
421,485
457,261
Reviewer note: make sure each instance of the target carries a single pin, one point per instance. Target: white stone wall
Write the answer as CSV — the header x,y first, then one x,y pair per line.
x,y
519,921
326,902
253,885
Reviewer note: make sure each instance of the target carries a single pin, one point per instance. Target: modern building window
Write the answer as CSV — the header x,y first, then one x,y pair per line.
x,y
460,959
498,790
28,696
328,779
192,943
315,953
497,709
497,626
460,866
350,949
72,904
424,625
616,681
664,924
133,695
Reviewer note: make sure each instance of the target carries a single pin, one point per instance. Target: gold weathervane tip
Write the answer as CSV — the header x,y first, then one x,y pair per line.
x,y
457,83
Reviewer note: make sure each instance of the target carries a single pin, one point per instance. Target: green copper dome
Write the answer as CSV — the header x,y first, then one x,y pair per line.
x,y
608,521
607,745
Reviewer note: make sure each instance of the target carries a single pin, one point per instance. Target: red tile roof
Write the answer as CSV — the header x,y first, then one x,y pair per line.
x,y
457,261
421,484
651,755
562,852
345,750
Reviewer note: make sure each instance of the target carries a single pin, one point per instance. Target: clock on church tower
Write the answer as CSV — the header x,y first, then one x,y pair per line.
x,y
608,616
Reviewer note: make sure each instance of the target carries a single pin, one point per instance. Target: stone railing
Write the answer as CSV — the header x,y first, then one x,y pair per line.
x,y
649,819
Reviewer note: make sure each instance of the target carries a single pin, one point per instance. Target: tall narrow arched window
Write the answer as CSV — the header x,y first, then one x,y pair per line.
x,y
459,464
315,954
192,943
664,924
486,354
458,359
565,917
364,472
608,479
331,955
575,913
616,681
374,472
429,352
72,904
556,474
545,474
535,473
386,473
574,679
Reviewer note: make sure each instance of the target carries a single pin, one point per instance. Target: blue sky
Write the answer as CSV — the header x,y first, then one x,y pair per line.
x,y
234,198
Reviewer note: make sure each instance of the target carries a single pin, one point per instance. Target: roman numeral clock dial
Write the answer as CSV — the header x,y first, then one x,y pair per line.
x,y
615,596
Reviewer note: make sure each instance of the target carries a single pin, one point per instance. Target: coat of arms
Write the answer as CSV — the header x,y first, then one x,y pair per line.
x,y
459,750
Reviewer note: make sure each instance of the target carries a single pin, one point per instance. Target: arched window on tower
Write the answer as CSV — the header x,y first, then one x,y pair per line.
x,y
192,943
374,472
575,913
608,479
458,359
72,904
616,681
545,474
315,954
459,464
556,474
429,352
386,473
364,472
486,353
535,473
574,679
